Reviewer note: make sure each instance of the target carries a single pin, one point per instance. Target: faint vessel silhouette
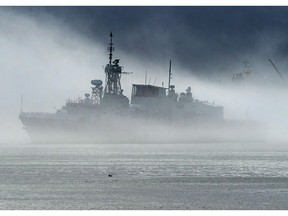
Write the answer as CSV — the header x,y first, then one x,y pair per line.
x,y
155,115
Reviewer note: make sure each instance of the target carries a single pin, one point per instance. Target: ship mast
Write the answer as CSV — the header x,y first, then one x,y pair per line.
x,y
170,77
110,48
113,72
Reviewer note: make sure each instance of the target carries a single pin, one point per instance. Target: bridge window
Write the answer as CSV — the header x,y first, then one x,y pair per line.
x,y
147,91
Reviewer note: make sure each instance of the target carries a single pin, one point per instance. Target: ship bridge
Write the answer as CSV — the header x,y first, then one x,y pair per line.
x,y
148,91
149,98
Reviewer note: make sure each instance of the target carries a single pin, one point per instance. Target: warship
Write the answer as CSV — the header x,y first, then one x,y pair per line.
x,y
155,114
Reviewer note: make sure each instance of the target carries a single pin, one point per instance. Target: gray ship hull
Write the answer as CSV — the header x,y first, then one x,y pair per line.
x,y
143,131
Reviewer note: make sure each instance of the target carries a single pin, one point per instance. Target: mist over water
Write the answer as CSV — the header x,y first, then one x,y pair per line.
x,y
45,62
48,62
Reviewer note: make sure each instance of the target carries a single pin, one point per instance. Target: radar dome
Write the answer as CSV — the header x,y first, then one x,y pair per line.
x,y
96,82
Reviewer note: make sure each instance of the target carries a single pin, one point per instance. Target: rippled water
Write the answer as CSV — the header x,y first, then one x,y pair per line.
x,y
195,176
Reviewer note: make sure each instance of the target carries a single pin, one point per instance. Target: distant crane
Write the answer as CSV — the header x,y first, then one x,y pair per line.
x,y
277,70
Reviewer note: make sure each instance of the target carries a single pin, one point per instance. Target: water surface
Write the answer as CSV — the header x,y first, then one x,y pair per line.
x,y
179,176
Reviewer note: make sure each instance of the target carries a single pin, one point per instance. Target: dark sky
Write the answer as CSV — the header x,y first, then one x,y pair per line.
x,y
203,39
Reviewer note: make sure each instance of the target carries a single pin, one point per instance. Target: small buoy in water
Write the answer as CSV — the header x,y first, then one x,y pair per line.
x,y
110,175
